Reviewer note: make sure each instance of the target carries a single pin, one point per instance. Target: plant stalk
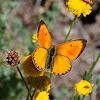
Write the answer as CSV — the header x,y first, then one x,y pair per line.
x,y
94,63
33,93
30,89
76,97
70,28
23,80
83,97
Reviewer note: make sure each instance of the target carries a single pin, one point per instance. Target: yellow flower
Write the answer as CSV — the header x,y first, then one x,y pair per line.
x,y
35,38
29,68
84,88
42,96
28,80
79,7
40,83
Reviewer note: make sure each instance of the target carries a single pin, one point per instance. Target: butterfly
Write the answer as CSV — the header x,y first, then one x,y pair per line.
x,y
89,1
55,59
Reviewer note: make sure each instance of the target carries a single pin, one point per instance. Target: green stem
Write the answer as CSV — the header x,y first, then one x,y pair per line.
x,y
50,75
73,94
89,75
93,56
30,88
76,97
83,97
33,93
70,28
94,63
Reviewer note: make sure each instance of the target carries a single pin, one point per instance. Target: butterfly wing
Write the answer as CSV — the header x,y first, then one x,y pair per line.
x,y
62,65
89,1
39,57
44,38
72,49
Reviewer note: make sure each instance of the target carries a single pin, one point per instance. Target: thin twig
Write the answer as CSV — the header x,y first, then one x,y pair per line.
x,y
23,80
30,89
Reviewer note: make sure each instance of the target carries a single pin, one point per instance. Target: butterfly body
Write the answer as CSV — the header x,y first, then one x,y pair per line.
x,y
55,59
50,58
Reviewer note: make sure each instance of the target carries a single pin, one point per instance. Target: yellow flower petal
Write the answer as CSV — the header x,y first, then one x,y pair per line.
x,y
40,83
79,7
84,88
42,96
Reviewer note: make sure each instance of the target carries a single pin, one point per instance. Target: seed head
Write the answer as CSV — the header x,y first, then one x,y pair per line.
x,y
12,58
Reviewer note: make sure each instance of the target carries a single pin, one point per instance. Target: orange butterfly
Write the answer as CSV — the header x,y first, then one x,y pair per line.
x,y
55,59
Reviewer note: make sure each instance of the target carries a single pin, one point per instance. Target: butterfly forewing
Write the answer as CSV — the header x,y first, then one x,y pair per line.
x,y
72,49
44,38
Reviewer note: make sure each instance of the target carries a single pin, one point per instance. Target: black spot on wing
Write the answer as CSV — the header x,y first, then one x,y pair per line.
x,y
70,45
45,34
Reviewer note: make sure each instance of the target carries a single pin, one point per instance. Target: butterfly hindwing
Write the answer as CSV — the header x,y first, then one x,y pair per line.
x,y
44,38
62,65
39,57
72,49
